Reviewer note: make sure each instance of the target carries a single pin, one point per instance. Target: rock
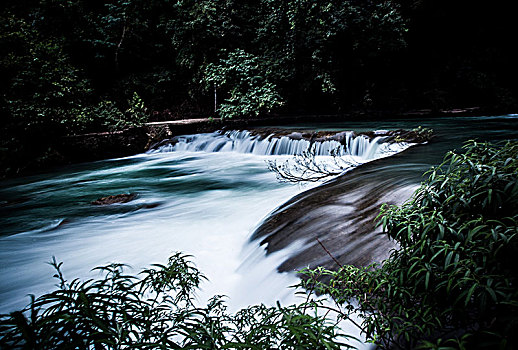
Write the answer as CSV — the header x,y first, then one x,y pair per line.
x,y
295,135
418,135
150,205
119,198
341,214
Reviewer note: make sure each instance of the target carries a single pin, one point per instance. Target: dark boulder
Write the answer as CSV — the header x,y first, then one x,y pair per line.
x,y
119,198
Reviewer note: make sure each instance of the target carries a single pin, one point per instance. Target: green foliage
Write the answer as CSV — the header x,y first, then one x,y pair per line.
x,y
135,115
43,90
40,86
97,117
156,310
136,112
60,56
453,280
246,78
62,61
328,52
307,47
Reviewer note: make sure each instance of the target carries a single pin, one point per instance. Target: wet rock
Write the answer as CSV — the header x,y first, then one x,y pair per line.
x,y
311,136
340,215
119,198
151,205
418,135
295,135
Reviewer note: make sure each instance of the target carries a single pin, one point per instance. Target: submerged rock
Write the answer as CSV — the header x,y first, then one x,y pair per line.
x,y
119,198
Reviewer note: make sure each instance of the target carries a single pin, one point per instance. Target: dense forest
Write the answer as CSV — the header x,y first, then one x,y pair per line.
x,y
72,66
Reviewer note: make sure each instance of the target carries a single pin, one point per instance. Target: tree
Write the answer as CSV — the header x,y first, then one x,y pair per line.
x,y
246,80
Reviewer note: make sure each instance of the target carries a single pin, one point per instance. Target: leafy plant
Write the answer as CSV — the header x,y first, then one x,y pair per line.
x,y
156,310
453,279
135,115
246,80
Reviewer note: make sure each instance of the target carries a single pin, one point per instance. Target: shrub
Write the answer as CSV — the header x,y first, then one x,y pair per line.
x,y
156,310
453,280
106,115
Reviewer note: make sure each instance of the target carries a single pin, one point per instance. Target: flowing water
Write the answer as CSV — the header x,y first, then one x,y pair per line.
x,y
205,195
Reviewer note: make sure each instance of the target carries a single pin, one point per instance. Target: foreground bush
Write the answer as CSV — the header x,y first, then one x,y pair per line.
x,y
453,281
156,311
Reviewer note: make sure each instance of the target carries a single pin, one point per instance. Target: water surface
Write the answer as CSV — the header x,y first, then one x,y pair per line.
x,y
207,204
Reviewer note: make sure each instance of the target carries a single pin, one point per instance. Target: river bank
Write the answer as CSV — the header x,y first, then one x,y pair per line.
x,y
105,145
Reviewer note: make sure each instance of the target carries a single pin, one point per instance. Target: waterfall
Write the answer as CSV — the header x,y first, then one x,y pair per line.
x,y
244,141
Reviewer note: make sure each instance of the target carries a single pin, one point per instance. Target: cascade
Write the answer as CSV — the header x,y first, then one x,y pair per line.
x,y
244,141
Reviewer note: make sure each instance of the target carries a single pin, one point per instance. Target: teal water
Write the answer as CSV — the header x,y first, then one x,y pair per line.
x,y
205,204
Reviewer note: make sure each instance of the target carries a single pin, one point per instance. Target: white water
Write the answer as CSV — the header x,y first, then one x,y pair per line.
x,y
208,212
360,147
212,190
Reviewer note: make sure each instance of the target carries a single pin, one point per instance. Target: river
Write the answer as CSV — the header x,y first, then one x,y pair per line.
x,y
206,196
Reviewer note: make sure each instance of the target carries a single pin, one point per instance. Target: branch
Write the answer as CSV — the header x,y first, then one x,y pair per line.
x,y
124,29
306,168
329,253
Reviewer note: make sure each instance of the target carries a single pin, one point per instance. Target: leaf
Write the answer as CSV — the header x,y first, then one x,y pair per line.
x,y
469,294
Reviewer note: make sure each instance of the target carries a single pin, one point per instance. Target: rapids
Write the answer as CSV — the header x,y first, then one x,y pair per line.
x,y
204,196
212,196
